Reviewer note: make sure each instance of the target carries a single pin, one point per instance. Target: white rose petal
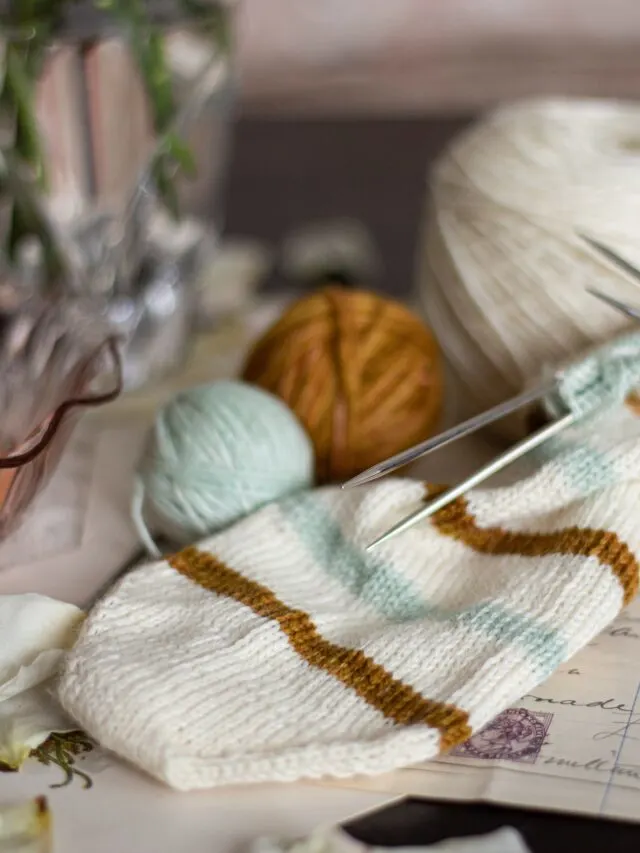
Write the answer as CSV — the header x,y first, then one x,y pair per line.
x,y
34,633
26,721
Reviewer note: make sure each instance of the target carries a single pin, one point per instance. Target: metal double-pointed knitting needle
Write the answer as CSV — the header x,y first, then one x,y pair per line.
x,y
621,263
485,418
622,307
459,431
506,458
502,409
612,256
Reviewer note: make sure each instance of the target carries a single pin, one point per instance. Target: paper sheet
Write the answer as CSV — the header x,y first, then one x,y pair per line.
x,y
572,744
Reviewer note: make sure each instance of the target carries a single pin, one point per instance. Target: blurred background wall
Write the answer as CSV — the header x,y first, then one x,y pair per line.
x,y
425,56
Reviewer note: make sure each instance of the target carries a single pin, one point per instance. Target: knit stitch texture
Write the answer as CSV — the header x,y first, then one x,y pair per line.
x,y
281,649
601,380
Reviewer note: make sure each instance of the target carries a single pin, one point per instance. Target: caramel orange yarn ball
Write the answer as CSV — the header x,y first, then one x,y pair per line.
x,y
361,372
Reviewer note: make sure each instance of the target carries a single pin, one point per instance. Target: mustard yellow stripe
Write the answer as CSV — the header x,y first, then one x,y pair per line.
x,y
396,701
457,521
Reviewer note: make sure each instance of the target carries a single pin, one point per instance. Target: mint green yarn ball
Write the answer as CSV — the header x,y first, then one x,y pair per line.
x,y
216,453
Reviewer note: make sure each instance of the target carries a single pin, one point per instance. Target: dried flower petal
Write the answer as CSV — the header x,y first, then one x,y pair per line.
x,y
26,827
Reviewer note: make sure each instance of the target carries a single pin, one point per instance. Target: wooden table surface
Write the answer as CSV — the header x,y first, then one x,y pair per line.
x,y
286,172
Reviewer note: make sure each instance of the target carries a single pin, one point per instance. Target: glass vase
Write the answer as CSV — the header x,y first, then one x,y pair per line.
x,y
114,119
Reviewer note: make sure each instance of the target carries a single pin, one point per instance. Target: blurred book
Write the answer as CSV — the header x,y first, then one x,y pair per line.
x,y
121,128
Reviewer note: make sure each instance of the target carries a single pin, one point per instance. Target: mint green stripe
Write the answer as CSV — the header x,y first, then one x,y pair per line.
x,y
584,468
367,578
587,470
370,579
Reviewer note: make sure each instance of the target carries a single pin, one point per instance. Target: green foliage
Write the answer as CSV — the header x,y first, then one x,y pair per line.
x,y
40,20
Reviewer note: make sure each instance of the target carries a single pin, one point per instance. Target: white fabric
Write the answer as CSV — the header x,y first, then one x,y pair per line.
x,y
504,840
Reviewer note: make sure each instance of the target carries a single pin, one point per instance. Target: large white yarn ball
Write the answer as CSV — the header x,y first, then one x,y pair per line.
x,y
503,272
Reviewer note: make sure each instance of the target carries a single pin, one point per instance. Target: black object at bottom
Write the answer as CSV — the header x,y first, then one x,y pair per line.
x,y
415,822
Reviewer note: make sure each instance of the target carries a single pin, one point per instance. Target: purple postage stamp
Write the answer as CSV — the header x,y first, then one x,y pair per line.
x,y
514,735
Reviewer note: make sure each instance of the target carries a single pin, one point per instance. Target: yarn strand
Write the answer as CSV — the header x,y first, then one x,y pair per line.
x,y
137,517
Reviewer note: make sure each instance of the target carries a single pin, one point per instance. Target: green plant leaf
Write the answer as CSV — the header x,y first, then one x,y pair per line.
x,y
165,187
178,150
18,93
159,83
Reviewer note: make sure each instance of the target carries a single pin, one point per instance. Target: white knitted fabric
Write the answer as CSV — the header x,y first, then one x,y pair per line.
x,y
282,649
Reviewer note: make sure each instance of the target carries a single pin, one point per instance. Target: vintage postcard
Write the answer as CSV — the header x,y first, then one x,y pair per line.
x,y
572,744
